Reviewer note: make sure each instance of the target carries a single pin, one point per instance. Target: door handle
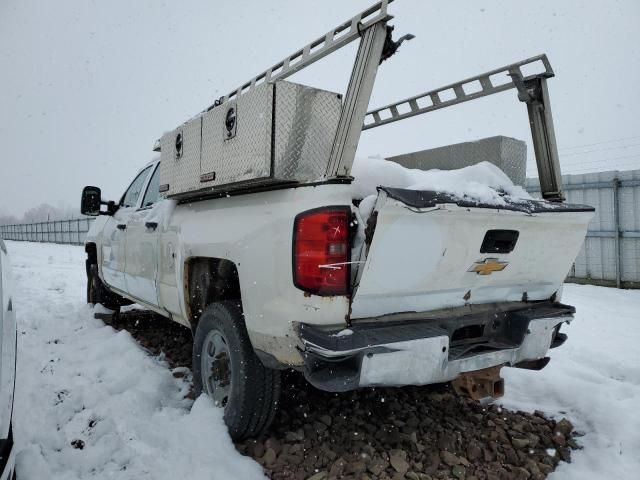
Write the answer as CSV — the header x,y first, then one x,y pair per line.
x,y
122,226
151,225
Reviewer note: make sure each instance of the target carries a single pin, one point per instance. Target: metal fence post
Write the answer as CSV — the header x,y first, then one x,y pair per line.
x,y
616,230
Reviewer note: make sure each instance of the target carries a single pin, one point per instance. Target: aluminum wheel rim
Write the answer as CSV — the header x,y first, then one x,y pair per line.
x,y
216,368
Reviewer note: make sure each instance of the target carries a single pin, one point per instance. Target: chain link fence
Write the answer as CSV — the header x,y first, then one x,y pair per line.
x,y
71,232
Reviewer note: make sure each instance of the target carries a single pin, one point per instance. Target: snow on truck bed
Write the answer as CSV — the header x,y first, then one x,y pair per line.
x,y
482,183
79,380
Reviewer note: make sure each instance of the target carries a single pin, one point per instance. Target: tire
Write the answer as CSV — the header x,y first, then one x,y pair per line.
x,y
97,292
227,369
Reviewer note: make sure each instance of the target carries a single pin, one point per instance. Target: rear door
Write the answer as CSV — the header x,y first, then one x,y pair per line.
x,y
429,252
142,234
114,233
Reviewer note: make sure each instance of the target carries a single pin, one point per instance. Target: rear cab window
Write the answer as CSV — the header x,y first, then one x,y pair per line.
x,y
153,189
130,197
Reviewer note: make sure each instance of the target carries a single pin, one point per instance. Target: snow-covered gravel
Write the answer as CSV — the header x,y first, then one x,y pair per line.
x,y
82,382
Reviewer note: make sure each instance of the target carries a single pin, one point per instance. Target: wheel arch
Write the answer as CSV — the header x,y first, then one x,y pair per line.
x,y
208,280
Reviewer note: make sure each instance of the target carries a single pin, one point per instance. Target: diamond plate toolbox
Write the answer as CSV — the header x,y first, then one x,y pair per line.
x,y
276,133
180,158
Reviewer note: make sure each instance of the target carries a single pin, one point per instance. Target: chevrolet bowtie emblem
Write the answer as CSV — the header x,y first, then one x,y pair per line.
x,y
488,266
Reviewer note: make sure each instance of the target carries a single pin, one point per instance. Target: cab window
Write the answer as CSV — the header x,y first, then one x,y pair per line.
x,y
130,198
153,190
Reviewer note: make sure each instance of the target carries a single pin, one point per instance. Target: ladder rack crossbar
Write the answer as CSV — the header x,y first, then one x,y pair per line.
x,y
413,106
333,40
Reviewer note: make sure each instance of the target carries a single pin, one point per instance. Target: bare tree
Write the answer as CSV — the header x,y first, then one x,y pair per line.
x,y
8,219
42,213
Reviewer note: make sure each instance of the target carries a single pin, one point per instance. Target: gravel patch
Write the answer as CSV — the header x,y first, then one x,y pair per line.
x,y
414,433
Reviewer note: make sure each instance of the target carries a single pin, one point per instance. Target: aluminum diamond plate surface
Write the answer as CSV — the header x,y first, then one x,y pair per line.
x,y
509,154
306,123
277,132
179,172
246,156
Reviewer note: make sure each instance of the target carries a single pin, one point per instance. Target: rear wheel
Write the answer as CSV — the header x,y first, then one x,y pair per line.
x,y
226,368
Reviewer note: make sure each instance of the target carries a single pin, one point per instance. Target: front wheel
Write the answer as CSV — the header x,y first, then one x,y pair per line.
x,y
97,292
226,368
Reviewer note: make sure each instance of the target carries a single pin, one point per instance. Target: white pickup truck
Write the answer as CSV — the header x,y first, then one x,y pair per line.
x,y
429,288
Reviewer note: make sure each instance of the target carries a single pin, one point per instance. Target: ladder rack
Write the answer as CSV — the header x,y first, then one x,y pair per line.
x,y
431,100
532,90
333,40
376,45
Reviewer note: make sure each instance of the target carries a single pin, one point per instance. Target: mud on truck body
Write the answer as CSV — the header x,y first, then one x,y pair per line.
x,y
246,231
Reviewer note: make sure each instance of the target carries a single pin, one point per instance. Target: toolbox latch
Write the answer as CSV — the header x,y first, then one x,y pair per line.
x,y
179,145
231,121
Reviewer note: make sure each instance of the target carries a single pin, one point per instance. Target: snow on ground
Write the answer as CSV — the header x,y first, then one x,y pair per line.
x,y
81,380
78,379
594,380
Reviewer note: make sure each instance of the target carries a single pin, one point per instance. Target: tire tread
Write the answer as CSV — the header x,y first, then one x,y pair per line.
x,y
258,401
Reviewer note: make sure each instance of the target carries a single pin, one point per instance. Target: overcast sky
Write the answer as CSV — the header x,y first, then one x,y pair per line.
x,y
86,87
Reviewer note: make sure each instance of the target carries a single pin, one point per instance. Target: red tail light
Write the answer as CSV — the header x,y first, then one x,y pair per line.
x,y
321,251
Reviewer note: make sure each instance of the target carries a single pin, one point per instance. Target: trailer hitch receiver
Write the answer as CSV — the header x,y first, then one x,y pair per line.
x,y
480,384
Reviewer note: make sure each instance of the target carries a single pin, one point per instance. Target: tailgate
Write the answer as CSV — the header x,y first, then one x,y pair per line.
x,y
431,251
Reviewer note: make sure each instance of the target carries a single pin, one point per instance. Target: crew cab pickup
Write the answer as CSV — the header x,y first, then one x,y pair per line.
x,y
429,289
246,231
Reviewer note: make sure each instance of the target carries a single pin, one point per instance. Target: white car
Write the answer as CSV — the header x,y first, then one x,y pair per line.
x,y
7,367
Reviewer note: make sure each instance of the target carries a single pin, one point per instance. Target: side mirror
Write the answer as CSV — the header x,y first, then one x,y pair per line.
x,y
91,201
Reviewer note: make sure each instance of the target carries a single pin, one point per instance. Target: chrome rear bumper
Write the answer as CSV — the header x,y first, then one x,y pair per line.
x,y
427,352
